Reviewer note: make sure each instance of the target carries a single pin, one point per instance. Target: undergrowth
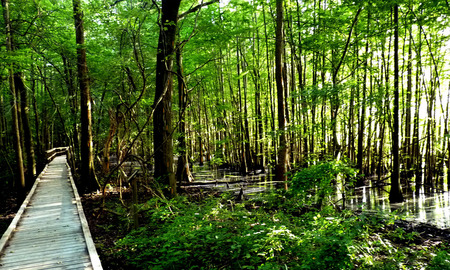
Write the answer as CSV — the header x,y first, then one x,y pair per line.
x,y
278,230
220,234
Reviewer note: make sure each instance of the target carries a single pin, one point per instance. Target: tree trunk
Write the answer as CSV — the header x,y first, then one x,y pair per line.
x,y
3,128
259,128
362,116
407,142
27,136
71,91
242,149
20,177
279,48
447,128
351,117
86,145
162,121
369,170
269,82
113,124
247,151
183,170
39,151
395,194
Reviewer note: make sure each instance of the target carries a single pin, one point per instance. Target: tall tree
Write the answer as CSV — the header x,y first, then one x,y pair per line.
x,y
183,171
27,135
362,114
279,49
20,177
86,144
162,121
395,194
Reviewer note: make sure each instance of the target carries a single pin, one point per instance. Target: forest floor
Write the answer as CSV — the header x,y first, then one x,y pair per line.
x,y
8,207
105,227
108,227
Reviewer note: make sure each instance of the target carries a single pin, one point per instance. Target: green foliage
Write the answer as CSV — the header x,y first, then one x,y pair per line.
x,y
399,234
317,182
216,161
440,261
216,234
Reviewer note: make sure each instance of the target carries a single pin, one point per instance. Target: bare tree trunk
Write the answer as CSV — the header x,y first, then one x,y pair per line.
x,y
247,149
279,48
242,149
369,170
86,145
39,151
447,128
407,142
395,194
351,116
259,128
3,142
71,91
295,146
113,125
162,121
183,170
269,82
362,116
27,136
416,154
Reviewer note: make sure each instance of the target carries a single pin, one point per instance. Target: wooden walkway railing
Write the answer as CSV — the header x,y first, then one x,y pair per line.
x,y
50,230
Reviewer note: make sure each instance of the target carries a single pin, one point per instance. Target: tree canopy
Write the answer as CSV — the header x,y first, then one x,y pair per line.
x,y
337,71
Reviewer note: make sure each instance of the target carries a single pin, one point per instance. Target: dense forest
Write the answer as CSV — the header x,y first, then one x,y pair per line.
x,y
253,86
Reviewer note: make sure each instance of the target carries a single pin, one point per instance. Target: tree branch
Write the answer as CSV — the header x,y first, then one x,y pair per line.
x,y
346,45
201,66
197,7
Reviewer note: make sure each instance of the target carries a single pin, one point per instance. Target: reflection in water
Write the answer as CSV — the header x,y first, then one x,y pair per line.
x,y
421,206
225,180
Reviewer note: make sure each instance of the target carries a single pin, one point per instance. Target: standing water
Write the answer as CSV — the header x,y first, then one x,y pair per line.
x,y
224,180
424,205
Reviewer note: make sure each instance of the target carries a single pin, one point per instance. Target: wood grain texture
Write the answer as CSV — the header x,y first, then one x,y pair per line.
x,y
50,230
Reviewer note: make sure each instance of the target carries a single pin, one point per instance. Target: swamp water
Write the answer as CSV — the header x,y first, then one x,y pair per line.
x,y
424,206
231,181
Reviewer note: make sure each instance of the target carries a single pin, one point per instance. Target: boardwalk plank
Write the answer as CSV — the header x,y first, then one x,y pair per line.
x,y
48,240
52,243
75,262
46,255
50,230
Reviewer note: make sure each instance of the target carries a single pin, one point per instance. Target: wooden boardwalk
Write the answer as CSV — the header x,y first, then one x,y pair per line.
x,y
50,230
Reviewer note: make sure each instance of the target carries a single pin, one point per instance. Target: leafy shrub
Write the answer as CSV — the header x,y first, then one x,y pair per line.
x,y
215,235
190,237
315,183
400,235
440,261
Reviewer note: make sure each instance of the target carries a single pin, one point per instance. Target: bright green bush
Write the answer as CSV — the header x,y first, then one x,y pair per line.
x,y
314,184
441,261
215,235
